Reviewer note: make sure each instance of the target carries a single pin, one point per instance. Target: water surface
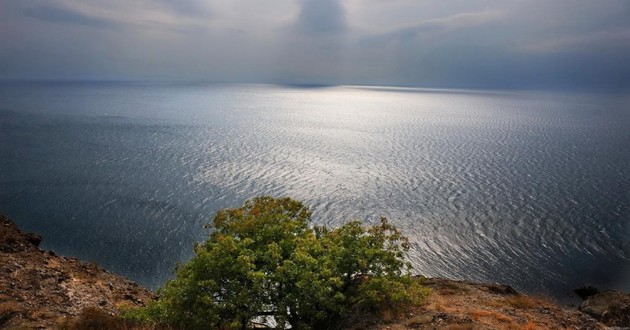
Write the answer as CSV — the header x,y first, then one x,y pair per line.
x,y
526,188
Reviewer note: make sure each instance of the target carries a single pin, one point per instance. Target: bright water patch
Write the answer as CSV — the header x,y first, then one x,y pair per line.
x,y
529,189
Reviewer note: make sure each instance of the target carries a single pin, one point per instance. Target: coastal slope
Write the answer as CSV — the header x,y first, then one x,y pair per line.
x,y
467,305
39,289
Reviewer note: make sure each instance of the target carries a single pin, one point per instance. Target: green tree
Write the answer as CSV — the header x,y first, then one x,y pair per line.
x,y
263,260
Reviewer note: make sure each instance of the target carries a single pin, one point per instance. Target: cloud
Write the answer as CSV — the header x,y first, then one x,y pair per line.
x,y
473,43
321,17
585,42
450,23
195,8
67,16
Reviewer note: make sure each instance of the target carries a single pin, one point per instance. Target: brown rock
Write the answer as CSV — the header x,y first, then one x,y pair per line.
x,y
611,308
38,288
502,289
586,291
13,240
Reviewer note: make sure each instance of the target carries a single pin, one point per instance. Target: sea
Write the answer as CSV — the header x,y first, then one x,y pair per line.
x,y
526,188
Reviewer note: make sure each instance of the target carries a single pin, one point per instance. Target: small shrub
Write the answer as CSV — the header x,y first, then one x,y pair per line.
x,y
96,319
91,318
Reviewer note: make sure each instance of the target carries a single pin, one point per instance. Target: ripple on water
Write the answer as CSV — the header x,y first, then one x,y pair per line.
x,y
524,188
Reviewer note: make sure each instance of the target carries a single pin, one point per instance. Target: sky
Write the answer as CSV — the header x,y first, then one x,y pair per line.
x,y
427,43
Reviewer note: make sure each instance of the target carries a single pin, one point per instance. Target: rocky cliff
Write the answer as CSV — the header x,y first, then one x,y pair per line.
x,y
39,289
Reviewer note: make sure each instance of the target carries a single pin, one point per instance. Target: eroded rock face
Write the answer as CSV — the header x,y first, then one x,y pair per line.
x,y
13,240
611,308
39,288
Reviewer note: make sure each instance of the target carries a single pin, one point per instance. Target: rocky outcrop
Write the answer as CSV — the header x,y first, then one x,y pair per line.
x,y
468,305
610,307
39,289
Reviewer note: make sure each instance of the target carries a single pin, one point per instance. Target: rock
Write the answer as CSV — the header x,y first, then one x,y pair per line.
x,y
446,318
502,289
586,291
610,307
34,239
13,240
37,287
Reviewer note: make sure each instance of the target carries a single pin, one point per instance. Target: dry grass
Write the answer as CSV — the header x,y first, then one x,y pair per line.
x,y
462,305
417,321
461,327
500,320
525,302
519,302
452,289
8,309
387,315
479,314
94,318
530,326
449,292
439,304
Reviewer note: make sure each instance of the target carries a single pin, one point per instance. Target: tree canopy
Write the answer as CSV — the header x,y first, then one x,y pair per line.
x,y
263,263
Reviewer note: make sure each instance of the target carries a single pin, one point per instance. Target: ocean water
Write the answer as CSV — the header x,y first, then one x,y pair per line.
x,y
531,189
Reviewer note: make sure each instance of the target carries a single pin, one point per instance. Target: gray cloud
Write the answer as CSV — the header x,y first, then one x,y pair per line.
x,y
67,16
603,40
321,17
459,43
454,22
200,8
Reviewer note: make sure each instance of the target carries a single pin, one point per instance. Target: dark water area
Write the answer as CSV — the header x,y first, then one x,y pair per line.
x,y
531,189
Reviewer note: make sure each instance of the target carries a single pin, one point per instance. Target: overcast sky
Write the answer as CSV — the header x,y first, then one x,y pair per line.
x,y
433,43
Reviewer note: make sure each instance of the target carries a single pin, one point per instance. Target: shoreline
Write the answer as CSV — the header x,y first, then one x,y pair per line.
x,y
40,289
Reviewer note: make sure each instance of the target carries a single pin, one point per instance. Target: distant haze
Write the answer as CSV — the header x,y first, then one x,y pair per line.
x,y
433,43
